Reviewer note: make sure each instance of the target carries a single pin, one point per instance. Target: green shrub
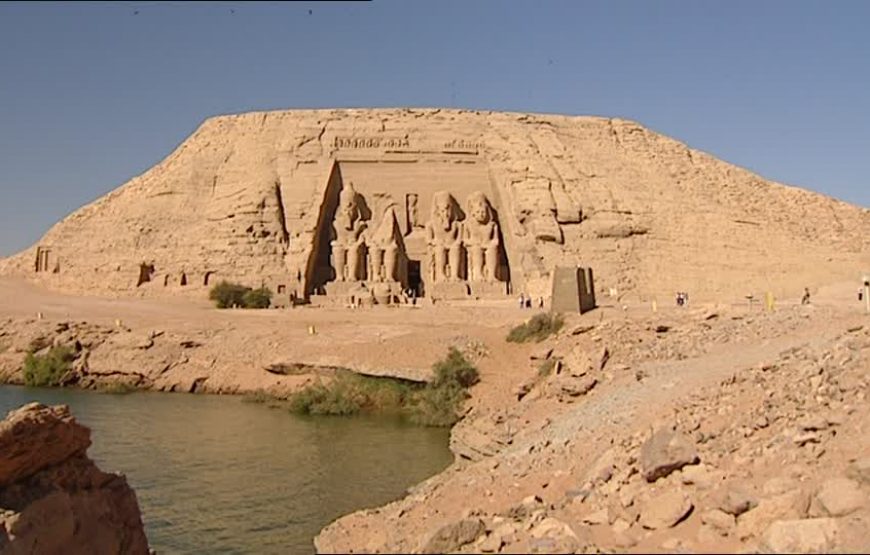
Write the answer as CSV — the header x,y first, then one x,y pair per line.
x,y
438,406
228,295
350,393
434,404
48,369
257,298
454,370
538,328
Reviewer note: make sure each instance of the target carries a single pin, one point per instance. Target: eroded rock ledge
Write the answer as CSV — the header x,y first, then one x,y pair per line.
x,y
53,498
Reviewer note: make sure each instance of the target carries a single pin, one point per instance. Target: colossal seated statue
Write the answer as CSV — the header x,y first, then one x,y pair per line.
x,y
384,248
348,237
481,238
444,239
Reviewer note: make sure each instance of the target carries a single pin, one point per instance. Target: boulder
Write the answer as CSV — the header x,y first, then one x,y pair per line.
x,y
813,535
567,387
735,500
665,452
58,500
665,510
719,520
451,537
838,497
552,535
701,476
791,505
35,437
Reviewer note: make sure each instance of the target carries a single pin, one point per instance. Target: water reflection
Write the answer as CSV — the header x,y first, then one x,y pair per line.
x,y
215,475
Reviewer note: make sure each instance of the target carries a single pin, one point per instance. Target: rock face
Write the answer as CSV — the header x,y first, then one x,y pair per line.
x,y
451,203
53,499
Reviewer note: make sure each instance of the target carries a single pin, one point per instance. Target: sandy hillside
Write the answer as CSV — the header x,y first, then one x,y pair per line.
x,y
244,196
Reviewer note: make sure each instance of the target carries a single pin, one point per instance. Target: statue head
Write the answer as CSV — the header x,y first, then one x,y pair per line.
x,y
478,208
348,206
442,210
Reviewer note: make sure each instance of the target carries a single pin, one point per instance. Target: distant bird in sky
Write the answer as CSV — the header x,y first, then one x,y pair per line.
x,y
135,12
310,12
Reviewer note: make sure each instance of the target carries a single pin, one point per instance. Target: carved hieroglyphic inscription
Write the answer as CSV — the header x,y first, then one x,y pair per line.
x,y
371,142
374,142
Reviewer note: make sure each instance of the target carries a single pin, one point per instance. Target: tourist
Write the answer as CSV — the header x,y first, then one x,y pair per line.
x,y
860,294
541,302
522,300
806,298
529,302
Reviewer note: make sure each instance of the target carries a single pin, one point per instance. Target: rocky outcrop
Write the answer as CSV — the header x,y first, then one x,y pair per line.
x,y
53,498
244,199
737,439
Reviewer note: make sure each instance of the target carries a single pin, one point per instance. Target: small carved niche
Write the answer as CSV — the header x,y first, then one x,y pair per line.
x,y
145,273
183,281
43,259
206,278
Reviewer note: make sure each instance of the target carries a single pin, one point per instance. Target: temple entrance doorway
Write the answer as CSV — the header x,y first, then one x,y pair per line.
x,y
415,280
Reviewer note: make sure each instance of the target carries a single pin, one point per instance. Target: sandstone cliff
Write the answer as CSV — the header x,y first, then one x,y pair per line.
x,y
247,197
53,499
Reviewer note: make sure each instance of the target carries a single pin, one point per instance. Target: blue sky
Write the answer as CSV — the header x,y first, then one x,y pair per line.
x,y
94,93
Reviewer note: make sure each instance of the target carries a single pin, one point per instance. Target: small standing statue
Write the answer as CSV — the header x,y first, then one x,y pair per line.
x,y
384,248
444,238
412,214
481,238
348,239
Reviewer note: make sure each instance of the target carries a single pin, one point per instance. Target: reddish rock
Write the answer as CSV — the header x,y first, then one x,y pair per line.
x,y
36,437
56,499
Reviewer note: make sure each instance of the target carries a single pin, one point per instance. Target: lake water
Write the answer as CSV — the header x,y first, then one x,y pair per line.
x,y
216,475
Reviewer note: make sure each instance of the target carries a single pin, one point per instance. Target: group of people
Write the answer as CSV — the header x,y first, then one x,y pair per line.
x,y
682,298
526,301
